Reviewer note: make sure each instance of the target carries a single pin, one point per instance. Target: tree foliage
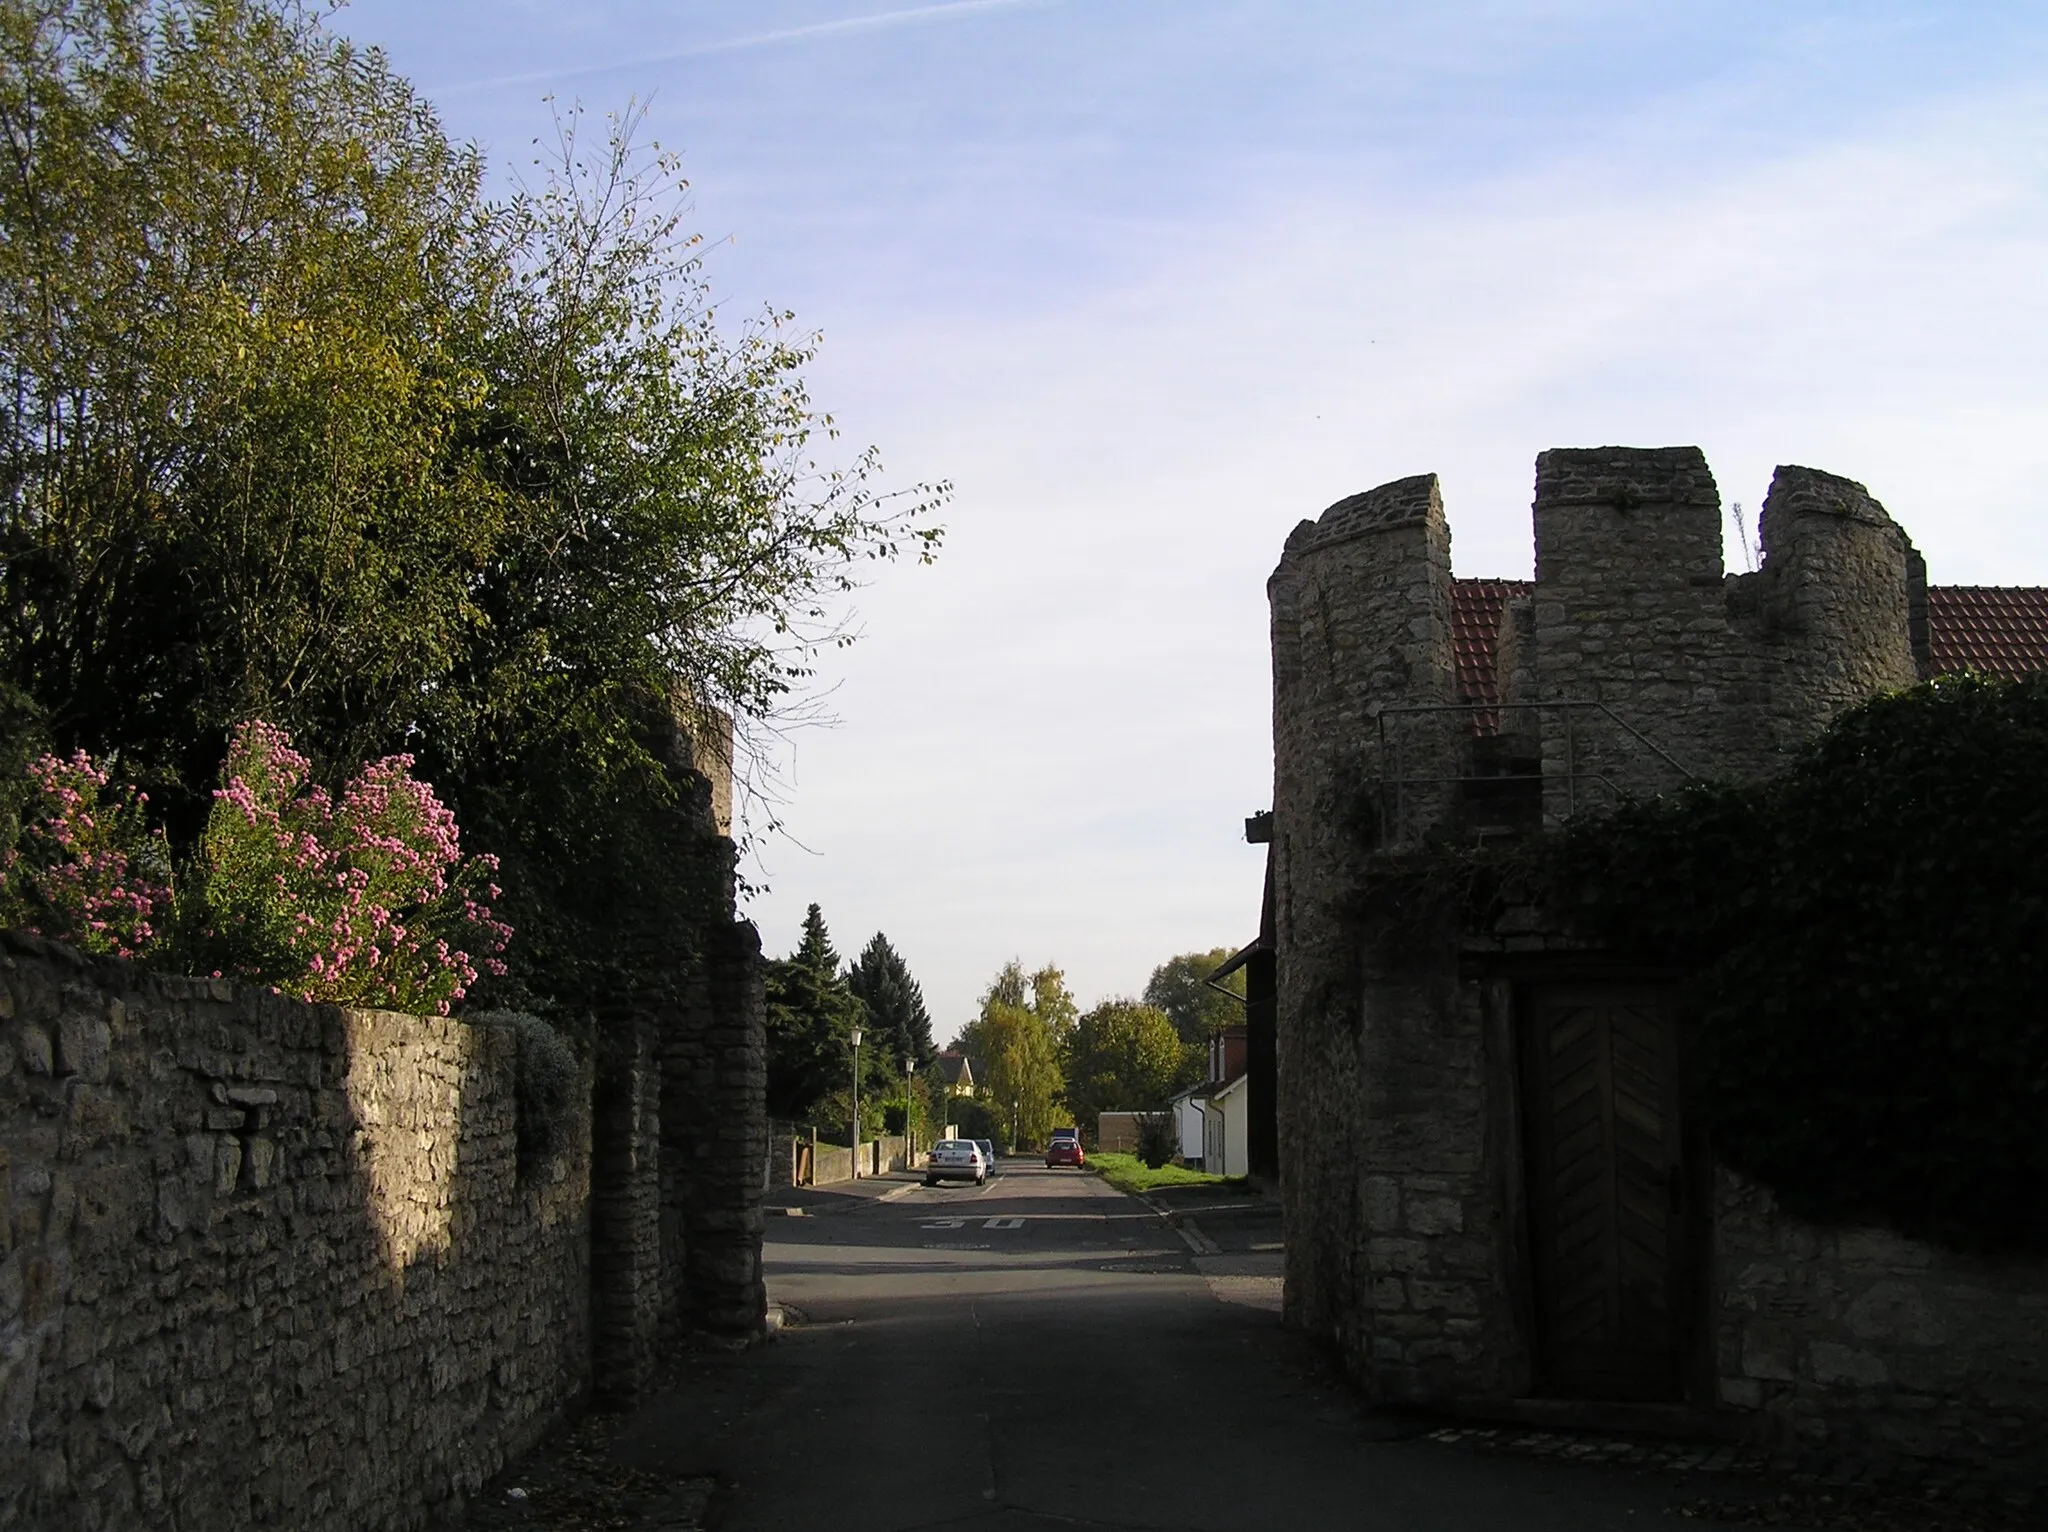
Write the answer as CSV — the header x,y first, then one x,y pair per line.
x,y
894,1002
1126,1057
1865,936
299,424
811,1017
1179,987
1016,1044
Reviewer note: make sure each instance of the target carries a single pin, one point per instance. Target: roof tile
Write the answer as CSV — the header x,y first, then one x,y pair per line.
x,y
1995,630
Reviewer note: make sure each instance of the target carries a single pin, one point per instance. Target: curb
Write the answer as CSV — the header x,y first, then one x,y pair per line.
x,y
853,1204
1189,1231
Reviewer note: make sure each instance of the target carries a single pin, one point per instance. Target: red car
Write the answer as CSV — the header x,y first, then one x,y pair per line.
x,y
1065,1149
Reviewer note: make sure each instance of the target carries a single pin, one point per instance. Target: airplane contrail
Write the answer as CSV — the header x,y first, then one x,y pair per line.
x,y
908,16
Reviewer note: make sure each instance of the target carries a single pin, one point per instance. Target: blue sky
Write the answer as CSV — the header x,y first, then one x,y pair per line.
x,y
1151,280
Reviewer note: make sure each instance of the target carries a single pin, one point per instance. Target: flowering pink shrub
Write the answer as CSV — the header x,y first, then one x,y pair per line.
x,y
88,870
368,901
364,902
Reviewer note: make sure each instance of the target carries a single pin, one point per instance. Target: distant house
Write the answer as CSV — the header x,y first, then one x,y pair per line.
x,y
956,1073
1201,1112
1226,1149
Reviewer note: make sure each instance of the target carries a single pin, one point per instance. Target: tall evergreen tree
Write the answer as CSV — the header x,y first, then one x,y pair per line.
x,y
895,1002
811,1017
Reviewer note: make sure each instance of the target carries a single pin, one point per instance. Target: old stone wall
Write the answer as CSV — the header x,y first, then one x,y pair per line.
x,y
1434,1316
1629,613
1861,1340
1361,616
265,1263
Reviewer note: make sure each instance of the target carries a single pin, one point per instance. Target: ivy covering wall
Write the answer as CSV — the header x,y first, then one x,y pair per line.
x,y
1866,940
1862,946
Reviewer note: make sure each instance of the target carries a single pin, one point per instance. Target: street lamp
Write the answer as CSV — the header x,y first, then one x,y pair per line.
x,y
909,1137
856,1103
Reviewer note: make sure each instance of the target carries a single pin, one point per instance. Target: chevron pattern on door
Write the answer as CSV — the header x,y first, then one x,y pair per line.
x,y
1606,1172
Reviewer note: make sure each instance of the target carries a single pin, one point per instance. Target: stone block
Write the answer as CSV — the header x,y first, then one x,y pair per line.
x,y
1769,1351
84,1046
1382,1195
1742,1393
1833,1362
1895,1311
1402,1255
37,1055
227,1164
1450,1297
1435,1215
1882,1248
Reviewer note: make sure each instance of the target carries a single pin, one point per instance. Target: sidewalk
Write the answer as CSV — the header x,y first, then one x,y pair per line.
x,y
838,1196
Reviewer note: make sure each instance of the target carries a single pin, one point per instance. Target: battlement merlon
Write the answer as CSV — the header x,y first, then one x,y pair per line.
x,y
1616,523
1361,613
1842,583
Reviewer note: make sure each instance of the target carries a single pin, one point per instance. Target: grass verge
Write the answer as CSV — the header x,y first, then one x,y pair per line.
x,y
1128,1173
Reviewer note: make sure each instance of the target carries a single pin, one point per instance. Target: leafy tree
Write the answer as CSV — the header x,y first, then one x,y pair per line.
x,y
300,425
1054,1005
1126,1057
811,1017
1043,992
242,287
1015,1046
1179,987
895,1002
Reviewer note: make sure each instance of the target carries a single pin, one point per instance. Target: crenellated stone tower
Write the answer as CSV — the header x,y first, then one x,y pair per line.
x,y
1634,663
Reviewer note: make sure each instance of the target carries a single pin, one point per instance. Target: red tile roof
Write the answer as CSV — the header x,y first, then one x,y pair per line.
x,y
1476,607
1995,630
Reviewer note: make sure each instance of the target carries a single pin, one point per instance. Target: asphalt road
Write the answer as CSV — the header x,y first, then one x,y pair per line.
x,y
1047,1352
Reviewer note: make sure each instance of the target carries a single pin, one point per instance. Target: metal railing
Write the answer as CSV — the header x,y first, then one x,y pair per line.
x,y
1571,766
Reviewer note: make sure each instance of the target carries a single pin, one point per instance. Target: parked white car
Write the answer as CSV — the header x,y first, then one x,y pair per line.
x,y
956,1159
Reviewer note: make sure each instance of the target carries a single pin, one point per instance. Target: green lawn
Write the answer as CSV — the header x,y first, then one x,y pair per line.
x,y
1128,1173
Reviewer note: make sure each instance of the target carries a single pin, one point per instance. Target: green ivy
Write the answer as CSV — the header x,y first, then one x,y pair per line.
x,y
1866,939
1862,942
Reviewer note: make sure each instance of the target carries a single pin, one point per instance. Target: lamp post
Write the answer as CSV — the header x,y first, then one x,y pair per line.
x,y
856,1103
909,1136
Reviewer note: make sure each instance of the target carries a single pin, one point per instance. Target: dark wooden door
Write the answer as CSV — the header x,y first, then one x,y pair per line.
x,y
1607,1187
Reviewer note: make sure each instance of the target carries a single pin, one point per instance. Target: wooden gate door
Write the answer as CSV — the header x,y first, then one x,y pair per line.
x,y
1607,1185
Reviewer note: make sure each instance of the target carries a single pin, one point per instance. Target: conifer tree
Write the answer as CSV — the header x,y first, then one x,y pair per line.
x,y
895,1002
811,1017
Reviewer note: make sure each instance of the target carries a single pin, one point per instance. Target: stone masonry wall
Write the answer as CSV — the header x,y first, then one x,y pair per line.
x,y
1630,613
715,1134
1361,615
1859,1339
265,1264
1434,1318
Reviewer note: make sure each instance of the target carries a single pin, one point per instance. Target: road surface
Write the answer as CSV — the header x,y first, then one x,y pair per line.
x,y
1047,1352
